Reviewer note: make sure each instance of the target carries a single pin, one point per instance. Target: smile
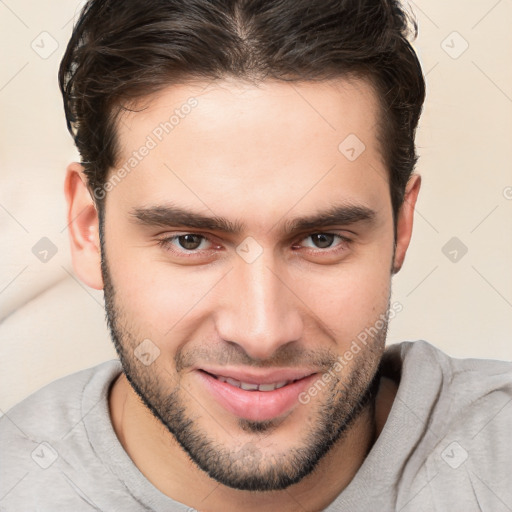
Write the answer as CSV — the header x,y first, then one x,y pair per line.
x,y
255,397
247,386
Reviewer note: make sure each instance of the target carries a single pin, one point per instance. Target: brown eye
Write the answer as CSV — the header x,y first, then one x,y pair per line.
x,y
190,241
325,244
190,247
322,240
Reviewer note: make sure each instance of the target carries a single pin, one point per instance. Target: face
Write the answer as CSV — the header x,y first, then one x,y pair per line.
x,y
244,254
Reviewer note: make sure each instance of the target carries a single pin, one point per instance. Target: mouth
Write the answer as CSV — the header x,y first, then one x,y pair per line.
x,y
256,397
248,386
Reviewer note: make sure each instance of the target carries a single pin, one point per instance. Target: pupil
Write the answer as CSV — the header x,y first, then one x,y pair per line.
x,y
323,240
190,241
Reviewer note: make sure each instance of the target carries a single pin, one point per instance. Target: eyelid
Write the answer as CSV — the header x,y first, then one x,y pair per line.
x,y
342,238
166,243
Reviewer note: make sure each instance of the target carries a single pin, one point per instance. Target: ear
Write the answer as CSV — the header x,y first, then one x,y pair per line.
x,y
405,221
83,224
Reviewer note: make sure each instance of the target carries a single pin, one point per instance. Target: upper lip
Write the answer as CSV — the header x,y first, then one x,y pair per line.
x,y
263,376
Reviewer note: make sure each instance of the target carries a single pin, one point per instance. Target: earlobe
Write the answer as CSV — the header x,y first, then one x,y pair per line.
x,y
405,221
83,225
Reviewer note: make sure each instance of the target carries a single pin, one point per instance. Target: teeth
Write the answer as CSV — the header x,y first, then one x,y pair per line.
x,y
271,387
267,387
248,387
253,387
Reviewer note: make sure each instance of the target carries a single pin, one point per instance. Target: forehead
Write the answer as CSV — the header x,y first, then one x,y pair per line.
x,y
334,106
253,144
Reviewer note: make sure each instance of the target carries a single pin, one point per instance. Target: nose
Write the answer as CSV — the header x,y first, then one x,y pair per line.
x,y
258,311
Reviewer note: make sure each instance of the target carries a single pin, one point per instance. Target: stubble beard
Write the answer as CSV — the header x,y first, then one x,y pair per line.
x,y
248,467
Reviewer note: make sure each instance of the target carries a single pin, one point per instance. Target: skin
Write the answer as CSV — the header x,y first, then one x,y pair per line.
x,y
260,156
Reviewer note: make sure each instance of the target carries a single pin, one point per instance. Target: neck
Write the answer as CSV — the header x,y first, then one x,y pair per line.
x,y
164,463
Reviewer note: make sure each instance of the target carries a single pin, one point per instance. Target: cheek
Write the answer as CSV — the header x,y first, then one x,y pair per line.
x,y
350,299
157,298
152,295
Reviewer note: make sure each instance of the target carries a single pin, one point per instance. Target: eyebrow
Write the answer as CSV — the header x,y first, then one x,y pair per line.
x,y
173,216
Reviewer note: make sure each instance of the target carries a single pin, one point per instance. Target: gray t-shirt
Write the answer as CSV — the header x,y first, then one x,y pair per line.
x,y
446,445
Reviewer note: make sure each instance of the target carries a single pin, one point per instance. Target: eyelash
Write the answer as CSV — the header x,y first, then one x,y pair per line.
x,y
167,244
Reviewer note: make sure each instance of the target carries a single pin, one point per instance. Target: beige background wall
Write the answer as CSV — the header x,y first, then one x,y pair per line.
x,y
51,324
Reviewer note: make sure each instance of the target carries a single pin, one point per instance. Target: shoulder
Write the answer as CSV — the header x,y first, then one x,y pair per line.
x,y
469,378
466,395
464,449
59,403
33,431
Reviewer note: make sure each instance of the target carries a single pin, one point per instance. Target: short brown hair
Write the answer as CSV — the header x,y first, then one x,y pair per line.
x,y
122,50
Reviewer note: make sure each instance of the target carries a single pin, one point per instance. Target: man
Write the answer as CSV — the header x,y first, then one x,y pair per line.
x,y
245,194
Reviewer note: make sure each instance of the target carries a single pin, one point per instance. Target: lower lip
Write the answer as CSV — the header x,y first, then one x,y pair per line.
x,y
255,405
